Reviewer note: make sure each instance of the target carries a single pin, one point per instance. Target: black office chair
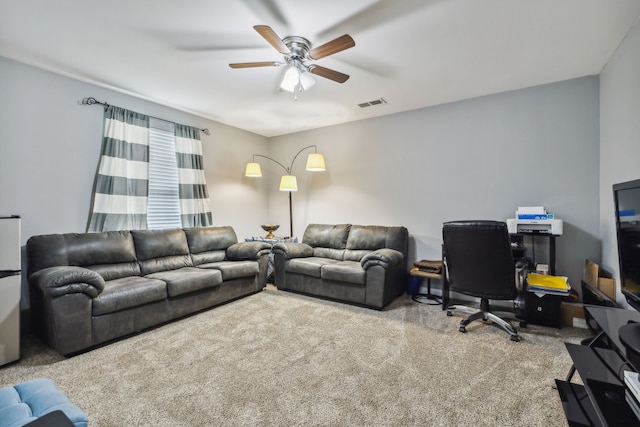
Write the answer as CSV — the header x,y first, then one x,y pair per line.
x,y
479,262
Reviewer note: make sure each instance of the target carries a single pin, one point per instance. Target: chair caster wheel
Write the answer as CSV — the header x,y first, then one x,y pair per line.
x,y
462,329
515,338
449,313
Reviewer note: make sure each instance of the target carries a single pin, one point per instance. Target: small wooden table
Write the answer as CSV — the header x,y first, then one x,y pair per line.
x,y
431,299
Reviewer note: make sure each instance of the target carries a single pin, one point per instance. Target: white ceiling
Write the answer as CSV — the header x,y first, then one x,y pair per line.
x,y
412,53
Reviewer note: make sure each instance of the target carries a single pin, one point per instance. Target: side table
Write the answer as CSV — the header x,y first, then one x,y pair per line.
x,y
430,299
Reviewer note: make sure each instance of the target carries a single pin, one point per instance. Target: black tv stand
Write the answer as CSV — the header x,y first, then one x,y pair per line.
x,y
601,363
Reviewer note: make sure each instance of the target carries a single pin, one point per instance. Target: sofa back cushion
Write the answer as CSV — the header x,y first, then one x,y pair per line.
x,y
366,238
161,250
209,244
112,254
46,251
326,236
321,252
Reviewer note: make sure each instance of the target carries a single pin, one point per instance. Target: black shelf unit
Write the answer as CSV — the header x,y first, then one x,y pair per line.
x,y
600,400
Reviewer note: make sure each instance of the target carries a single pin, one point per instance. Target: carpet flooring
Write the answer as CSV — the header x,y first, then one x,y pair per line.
x,y
281,359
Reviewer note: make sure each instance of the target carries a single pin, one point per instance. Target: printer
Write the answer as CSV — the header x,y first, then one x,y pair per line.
x,y
536,226
534,220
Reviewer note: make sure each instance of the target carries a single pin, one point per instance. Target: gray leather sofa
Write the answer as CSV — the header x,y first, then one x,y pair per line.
x,y
364,265
88,289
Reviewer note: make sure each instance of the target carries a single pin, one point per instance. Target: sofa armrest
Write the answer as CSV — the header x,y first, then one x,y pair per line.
x,y
292,250
62,280
386,258
248,250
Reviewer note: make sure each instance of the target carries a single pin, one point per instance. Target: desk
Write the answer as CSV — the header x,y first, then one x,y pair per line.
x,y
543,310
600,401
552,248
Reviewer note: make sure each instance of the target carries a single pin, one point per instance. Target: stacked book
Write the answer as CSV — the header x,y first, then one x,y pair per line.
x,y
550,285
632,393
428,266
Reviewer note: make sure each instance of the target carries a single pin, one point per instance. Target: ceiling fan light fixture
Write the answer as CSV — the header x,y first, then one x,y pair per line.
x,y
291,79
306,81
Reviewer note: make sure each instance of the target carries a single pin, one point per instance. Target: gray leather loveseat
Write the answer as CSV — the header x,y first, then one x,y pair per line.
x,y
364,265
87,289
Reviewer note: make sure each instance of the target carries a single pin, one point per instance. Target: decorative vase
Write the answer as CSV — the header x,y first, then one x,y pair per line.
x,y
269,228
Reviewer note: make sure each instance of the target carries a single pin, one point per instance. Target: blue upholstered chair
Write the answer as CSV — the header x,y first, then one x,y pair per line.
x,y
28,401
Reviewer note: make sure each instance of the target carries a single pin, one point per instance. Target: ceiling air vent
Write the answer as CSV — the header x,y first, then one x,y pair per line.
x,y
372,103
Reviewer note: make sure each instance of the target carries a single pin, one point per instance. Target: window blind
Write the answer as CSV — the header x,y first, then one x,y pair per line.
x,y
163,210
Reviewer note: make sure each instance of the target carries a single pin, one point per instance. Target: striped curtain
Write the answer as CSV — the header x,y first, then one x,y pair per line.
x,y
121,187
195,206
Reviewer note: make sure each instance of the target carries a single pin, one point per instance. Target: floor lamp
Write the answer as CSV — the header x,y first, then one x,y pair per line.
x,y
288,182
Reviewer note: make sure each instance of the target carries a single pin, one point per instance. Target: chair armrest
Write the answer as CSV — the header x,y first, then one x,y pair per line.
x,y
521,275
63,280
292,250
247,250
386,258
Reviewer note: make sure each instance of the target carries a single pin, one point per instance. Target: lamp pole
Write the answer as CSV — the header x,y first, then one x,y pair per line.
x,y
289,172
290,216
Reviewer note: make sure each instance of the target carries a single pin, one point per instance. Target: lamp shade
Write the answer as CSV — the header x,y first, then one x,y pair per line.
x,y
290,80
306,81
288,183
315,162
253,169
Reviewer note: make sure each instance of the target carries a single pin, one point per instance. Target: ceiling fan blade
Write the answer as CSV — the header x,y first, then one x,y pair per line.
x,y
379,13
270,36
267,11
254,64
327,73
334,46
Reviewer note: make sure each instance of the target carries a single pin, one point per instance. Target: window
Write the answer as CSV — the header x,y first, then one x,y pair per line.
x,y
163,209
150,175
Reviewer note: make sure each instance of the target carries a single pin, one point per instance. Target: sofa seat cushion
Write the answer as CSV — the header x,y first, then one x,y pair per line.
x,y
345,271
188,279
234,269
310,266
128,292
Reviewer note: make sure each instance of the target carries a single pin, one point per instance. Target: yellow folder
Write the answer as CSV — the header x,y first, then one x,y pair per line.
x,y
546,281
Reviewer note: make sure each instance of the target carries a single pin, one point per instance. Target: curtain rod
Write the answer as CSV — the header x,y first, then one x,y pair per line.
x,y
92,101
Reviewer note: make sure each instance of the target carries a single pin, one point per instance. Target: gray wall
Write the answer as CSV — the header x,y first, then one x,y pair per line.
x,y
475,159
50,146
479,158
619,137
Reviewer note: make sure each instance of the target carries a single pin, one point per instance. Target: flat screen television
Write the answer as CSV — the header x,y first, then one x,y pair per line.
x,y
626,196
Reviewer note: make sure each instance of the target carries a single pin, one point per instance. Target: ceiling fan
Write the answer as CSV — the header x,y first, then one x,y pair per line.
x,y
297,51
